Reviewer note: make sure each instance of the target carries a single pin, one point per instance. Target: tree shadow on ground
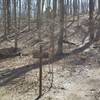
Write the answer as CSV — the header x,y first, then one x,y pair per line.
x,y
15,73
7,76
20,71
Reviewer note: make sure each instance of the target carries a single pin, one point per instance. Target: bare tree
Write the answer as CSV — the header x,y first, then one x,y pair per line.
x,y
39,36
8,15
29,13
19,20
91,19
99,6
38,16
60,38
14,12
4,16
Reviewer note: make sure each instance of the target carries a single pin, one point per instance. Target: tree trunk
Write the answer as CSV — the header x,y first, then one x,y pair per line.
x,y
91,19
8,15
38,17
4,20
14,12
19,20
98,6
29,13
60,38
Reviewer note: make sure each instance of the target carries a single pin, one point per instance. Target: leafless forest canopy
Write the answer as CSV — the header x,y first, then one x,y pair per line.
x,y
48,47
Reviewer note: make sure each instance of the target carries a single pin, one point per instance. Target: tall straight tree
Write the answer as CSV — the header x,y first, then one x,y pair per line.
x,y
78,11
43,2
67,7
4,16
14,12
8,15
52,27
98,6
71,7
15,23
19,20
60,38
39,36
7,19
91,9
29,13
75,7
91,19
38,17
54,7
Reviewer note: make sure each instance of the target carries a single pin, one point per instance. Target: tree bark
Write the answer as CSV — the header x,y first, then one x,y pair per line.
x,y
60,38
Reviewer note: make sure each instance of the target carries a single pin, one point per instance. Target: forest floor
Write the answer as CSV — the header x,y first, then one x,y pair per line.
x,y
76,77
